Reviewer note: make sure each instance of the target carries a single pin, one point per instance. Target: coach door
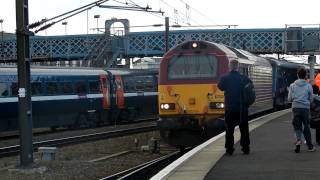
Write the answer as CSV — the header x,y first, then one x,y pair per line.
x,y
119,92
105,89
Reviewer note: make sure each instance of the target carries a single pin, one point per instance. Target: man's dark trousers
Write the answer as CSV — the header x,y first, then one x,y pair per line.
x,y
232,119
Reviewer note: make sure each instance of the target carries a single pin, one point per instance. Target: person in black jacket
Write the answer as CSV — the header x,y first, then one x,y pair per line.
x,y
236,112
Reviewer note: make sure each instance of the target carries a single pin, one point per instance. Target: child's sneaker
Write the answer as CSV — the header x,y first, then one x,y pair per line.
x,y
298,144
311,149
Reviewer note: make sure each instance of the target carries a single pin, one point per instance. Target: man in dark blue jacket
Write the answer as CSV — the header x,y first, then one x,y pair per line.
x,y
236,113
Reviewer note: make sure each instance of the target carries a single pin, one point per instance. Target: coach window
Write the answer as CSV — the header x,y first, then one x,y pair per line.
x,y
139,84
52,88
155,82
66,88
3,90
36,88
243,69
81,87
94,87
14,89
148,83
129,84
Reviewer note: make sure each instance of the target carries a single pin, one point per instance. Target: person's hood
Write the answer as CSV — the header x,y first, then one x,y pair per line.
x,y
300,82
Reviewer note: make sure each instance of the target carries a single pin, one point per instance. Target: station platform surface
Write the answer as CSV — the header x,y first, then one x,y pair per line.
x,y
271,157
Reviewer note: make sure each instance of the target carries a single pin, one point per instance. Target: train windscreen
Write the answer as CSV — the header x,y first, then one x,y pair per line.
x,y
192,67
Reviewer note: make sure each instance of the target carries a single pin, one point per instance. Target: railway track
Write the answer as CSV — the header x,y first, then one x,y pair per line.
x,y
146,170
13,150
43,131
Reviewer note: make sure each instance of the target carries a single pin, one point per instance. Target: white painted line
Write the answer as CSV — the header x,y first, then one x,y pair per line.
x,y
52,98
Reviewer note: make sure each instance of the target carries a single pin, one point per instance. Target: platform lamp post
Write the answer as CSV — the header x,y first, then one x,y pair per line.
x,y
65,23
97,16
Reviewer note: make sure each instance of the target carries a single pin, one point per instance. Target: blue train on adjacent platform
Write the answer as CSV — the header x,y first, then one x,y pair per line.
x,y
65,97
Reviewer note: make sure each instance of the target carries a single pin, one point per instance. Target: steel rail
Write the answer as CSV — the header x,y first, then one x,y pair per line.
x,y
145,170
15,134
13,150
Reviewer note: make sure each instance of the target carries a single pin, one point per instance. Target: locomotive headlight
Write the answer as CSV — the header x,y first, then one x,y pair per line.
x,y
220,105
167,106
216,105
194,45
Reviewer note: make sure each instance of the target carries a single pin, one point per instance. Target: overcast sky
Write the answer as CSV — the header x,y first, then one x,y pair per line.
x,y
244,13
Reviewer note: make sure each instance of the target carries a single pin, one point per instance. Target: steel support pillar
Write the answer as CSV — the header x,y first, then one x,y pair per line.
x,y
24,93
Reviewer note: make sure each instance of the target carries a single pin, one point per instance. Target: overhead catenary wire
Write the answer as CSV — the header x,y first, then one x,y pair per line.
x,y
131,2
85,8
88,6
138,6
180,13
151,12
55,22
199,12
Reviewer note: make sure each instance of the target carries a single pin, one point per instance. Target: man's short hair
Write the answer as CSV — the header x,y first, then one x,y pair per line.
x,y
302,73
234,64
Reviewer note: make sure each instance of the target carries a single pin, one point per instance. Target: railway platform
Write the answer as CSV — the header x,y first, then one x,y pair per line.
x,y
272,156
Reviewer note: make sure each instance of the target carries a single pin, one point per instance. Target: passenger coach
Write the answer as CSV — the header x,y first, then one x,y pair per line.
x,y
60,97
75,98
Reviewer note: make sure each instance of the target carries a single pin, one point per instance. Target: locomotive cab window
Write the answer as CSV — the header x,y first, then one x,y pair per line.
x,y
192,67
